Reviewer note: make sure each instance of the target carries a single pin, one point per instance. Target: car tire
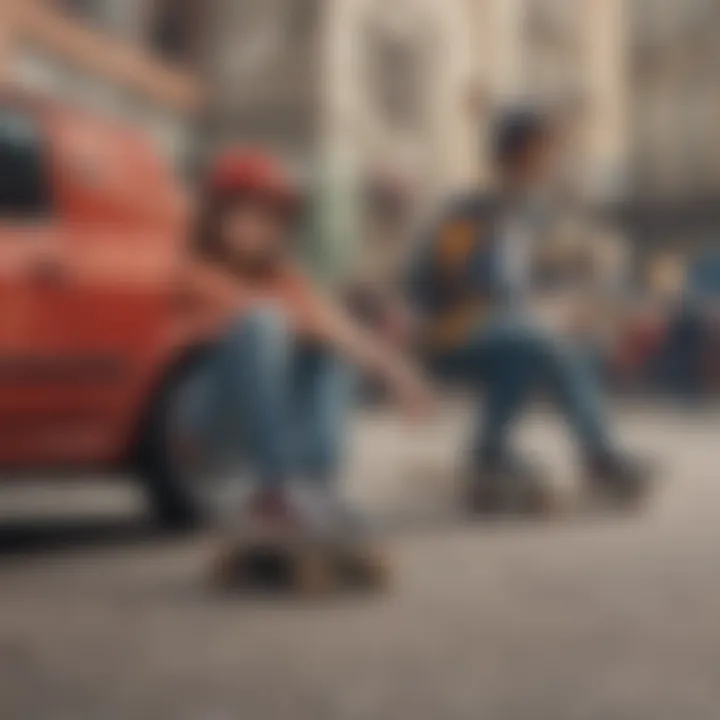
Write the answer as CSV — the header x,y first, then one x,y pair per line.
x,y
173,501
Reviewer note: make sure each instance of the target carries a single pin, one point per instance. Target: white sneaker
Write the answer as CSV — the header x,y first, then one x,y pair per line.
x,y
325,510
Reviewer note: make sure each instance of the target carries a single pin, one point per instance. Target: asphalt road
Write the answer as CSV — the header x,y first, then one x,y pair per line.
x,y
603,618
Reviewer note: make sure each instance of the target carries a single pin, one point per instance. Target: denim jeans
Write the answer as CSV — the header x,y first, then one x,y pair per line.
x,y
512,358
276,402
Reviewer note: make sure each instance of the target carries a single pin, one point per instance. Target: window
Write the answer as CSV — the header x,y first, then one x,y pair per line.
x,y
24,187
176,30
395,72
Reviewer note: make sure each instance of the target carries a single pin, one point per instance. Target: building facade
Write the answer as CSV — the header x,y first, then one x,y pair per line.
x,y
131,59
362,92
413,83
571,55
675,57
361,83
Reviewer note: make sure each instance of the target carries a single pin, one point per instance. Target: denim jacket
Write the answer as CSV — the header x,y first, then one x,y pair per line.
x,y
456,277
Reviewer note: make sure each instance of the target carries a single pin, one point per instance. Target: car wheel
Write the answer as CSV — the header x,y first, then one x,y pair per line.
x,y
186,487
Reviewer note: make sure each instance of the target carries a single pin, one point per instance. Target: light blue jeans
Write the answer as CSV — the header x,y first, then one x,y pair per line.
x,y
280,404
512,359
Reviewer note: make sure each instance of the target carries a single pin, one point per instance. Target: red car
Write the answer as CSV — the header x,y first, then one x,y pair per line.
x,y
97,331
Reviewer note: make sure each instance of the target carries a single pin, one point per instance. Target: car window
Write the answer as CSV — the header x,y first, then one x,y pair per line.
x,y
24,185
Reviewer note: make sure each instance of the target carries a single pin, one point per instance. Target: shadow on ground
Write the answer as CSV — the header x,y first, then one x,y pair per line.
x,y
26,537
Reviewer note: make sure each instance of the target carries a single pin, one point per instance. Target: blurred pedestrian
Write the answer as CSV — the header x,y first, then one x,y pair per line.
x,y
473,282
687,290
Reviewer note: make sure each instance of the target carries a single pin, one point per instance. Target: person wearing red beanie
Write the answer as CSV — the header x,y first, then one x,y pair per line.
x,y
273,380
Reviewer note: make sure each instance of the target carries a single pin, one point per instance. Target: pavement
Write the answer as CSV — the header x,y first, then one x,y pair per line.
x,y
602,618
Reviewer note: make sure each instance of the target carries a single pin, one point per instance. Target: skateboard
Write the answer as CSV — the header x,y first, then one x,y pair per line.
x,y
289,562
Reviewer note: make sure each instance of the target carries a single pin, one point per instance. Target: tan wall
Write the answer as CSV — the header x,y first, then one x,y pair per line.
x,y
443,152
675,100
606,40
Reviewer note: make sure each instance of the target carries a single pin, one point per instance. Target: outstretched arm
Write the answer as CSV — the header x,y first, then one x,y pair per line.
x,y
330,323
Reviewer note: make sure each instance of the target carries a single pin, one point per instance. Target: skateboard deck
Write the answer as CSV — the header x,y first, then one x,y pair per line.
x,y
287,562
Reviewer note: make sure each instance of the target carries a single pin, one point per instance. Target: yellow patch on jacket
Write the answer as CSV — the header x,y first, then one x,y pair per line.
x,y
457,242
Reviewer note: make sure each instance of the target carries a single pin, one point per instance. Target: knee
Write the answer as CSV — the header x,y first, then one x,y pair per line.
x,y
264,328
529,343
261,321
542,351
557,355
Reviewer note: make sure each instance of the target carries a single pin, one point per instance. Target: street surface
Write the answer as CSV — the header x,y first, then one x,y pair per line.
x,y
584,618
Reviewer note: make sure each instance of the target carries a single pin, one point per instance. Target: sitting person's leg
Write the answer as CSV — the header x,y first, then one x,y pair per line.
x,y
511,360
323,400
567,372
508,373
495,361
496,358
249,392
564,369
288,404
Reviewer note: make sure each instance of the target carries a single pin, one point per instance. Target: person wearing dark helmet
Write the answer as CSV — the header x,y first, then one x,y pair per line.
x,y
472,284
273,383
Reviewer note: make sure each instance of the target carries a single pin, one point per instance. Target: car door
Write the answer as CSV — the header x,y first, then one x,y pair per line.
x,y
122,225
89,224
34,323
57,367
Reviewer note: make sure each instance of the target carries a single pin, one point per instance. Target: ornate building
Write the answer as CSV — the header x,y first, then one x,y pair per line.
x,y
362,91
350,82
675,60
